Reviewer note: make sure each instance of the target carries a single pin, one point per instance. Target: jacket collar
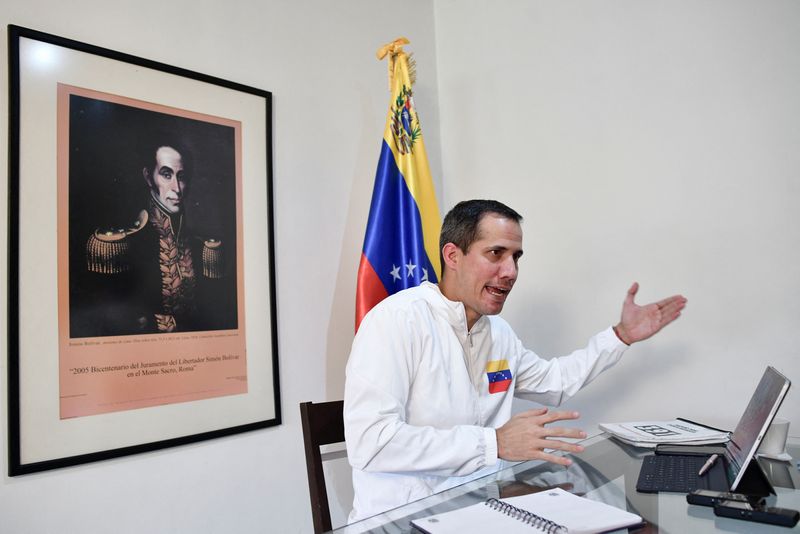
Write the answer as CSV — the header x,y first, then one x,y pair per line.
x,y
454,312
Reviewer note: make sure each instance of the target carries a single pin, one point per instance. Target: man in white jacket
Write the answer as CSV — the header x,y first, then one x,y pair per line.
x,y
433,371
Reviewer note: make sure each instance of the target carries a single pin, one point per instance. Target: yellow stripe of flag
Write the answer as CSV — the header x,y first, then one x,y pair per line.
x,y
496,365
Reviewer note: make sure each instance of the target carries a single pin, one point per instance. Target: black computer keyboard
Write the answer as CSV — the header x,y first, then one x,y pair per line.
x,y
667,472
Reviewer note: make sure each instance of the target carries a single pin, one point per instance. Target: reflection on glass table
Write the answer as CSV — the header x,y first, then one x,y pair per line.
x,y
606,471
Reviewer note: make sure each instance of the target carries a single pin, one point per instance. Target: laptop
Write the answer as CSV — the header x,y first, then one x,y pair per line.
x,y
736,469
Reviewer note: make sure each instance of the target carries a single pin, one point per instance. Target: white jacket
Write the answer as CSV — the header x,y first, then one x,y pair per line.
x,y
418,414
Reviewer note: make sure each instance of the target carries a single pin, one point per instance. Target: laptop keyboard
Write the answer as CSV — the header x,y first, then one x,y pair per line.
x,y
667,472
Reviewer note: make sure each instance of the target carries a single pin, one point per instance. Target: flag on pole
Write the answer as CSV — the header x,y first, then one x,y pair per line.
x,y
401,245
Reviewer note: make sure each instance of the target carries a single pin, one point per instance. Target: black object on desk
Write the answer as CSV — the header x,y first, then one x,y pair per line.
x,y
679,473
689,450
758,513
711,498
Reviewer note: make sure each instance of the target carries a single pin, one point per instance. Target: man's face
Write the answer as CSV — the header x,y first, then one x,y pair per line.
x,y
485,274
167,179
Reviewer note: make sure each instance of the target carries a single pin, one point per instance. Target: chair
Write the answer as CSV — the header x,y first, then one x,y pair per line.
x,y
323,424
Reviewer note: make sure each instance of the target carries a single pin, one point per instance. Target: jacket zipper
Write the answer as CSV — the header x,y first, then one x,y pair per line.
x,y
476,380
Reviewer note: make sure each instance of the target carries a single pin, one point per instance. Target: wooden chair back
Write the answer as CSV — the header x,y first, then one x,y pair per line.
x,y
323,424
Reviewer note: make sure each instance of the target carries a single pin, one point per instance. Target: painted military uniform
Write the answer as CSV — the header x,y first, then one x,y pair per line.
x,y
151,276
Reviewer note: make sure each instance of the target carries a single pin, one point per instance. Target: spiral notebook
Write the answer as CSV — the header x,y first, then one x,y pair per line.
x,y
553,511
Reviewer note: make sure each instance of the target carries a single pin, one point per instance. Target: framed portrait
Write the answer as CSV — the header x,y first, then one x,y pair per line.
x,y
142,310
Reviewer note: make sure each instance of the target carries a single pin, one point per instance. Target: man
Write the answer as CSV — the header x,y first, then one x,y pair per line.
x,y
433,371
154,276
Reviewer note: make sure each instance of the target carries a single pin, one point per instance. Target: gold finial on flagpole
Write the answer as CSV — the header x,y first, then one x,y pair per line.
x,y
392,50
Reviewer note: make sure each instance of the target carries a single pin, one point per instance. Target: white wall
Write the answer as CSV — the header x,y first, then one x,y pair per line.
x,y
330,98
641,140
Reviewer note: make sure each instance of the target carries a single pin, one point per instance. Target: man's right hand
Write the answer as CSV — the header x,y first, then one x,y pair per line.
x,y
525,436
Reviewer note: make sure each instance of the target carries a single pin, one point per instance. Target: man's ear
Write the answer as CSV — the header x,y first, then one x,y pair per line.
x,y
146,174
451,255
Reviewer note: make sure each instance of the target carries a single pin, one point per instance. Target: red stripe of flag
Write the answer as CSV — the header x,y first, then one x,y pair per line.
x,y
500,386
370,290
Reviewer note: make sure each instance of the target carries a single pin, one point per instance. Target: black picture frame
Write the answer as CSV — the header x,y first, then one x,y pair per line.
x,y
40,438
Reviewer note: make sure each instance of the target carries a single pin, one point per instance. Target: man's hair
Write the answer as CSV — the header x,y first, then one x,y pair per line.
x,y
460,225
151,148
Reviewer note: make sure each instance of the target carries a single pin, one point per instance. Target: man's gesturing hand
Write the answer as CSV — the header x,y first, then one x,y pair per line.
x,y
524,436
640,322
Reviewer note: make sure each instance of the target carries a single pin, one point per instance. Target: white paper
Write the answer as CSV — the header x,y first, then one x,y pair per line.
x,y
651,433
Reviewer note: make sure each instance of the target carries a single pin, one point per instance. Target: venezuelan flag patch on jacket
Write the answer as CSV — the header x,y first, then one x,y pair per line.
x,y
499,375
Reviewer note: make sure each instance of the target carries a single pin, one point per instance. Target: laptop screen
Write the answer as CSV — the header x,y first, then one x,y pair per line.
x,y
754,423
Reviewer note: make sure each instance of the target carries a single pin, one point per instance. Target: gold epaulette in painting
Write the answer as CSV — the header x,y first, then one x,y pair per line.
x,y
213,259
108,250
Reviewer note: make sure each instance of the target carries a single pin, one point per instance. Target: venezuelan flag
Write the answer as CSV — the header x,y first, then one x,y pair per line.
x,y
401,245
499,375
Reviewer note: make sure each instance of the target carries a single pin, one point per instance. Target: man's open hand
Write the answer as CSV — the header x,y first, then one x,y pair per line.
x,y
525,436
640,322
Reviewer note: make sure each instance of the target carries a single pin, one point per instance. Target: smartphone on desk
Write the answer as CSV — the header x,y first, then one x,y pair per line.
x,y
759,513
705,497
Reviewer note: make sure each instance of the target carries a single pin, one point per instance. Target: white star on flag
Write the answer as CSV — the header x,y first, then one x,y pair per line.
x,y
424,275
410,267
395,272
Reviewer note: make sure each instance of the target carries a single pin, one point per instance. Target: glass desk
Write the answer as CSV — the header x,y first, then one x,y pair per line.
x,y
607,470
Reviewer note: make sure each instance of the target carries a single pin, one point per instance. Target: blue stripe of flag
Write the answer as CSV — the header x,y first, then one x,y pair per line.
x,y
499,376
394,230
